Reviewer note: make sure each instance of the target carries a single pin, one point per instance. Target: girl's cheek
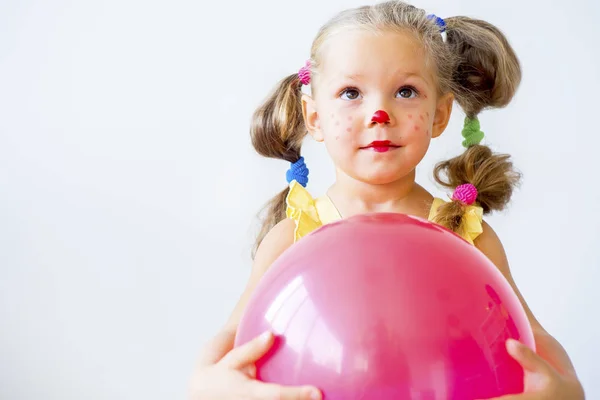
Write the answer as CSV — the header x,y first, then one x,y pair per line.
x,y
342,125
349,120
418,123
335,124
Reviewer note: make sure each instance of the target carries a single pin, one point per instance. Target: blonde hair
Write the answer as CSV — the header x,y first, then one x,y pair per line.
x,y
475,62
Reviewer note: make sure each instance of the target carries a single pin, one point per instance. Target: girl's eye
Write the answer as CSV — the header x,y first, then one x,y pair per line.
x,y
353,94
350,94
407,92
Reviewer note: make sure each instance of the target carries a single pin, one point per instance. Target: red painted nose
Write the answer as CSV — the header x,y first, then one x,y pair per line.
x,y
381,117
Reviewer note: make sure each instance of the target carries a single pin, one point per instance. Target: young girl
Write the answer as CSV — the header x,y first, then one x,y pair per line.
x,y
383,80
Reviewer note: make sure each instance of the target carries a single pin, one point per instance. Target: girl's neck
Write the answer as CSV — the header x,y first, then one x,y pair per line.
x,y
355,197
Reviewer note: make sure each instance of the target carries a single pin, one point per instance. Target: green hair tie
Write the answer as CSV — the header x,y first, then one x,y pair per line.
x,y
472,132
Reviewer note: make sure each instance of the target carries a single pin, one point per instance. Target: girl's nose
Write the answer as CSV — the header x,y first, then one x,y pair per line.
x,y
380,117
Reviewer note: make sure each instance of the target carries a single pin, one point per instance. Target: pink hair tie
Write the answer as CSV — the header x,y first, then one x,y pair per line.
x,y
466,194
304,73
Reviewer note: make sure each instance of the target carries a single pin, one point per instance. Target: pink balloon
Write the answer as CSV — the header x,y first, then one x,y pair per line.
x,y
388,307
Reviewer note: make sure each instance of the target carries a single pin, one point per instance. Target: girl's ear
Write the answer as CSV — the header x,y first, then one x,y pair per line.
x,y
311,118
443,111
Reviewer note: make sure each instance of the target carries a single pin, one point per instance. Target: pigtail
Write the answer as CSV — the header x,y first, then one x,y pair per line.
x,y
277,131
492,175
487,75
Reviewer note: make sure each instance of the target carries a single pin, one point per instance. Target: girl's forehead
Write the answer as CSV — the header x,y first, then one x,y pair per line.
x,y
367,54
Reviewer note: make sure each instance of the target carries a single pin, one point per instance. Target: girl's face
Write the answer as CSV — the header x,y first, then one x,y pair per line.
x,y
363,72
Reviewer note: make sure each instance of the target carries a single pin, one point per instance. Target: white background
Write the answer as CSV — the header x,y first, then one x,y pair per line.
x,y
128,186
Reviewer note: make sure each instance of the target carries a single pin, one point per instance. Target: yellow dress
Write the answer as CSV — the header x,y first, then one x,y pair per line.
x,y
310,213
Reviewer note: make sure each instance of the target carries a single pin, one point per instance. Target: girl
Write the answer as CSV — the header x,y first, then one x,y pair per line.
x,y
383,81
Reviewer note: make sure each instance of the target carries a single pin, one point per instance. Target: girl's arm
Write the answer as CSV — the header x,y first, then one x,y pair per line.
x,y
275,242
547,347
224,372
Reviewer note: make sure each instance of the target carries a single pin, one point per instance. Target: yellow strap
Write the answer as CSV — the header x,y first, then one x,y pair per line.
x,y
471,224
301,208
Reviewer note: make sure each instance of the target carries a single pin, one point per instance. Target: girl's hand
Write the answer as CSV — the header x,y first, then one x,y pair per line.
x,y
542,381
231,375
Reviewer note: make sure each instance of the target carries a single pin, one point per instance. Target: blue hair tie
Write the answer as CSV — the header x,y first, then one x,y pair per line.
x,y
439,22
298,172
